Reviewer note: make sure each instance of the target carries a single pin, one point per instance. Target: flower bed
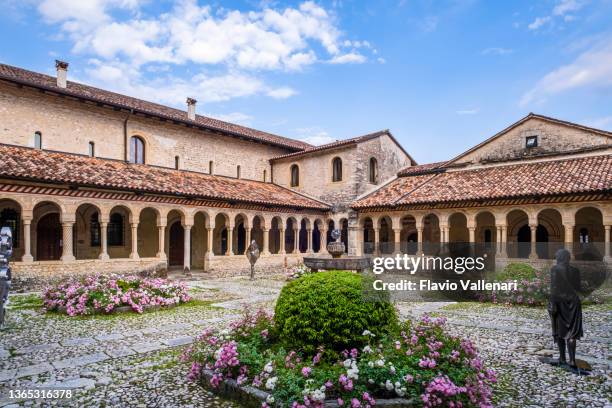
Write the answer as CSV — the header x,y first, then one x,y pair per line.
x,y
109,293
417,362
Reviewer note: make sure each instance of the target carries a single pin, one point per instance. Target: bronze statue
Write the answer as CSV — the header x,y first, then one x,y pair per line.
x,y
564,306
252,255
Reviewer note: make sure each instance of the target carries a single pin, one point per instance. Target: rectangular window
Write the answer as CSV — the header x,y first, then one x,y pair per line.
x,y
531,141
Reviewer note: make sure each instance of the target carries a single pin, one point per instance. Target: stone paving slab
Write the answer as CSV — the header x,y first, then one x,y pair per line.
x,y
34,369
119,352
146,347
4,354
7,374
80,360
79,341
109,337
178,341
37,347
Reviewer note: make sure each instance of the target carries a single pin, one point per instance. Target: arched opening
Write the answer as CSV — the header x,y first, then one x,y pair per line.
x,y
373,170
303,234
87,232
10,216
295,175
459,236
257,232
316,236
344,233
37,140
431,234
119,233
337,169
589,235
239,239
290,244
485,234
274,235
148,233
519,234
550,234
408,236
199,240
220,234
368,236
137,150
331,225
176,254
48,235
386,235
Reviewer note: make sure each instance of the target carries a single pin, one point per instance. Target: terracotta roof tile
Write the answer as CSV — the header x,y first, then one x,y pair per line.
x,y
55,167
35,79
421,169
558,177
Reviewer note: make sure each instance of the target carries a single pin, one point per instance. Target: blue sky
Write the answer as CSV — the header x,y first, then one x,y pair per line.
x,y
441,75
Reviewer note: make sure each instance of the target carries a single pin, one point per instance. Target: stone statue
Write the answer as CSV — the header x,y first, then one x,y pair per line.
x,y
6,250
564,306
252,254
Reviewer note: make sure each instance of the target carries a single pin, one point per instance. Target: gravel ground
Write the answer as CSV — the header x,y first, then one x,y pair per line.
x,y
131,360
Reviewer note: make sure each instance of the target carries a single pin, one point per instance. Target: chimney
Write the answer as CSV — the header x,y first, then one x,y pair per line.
x,y
62,70
191,103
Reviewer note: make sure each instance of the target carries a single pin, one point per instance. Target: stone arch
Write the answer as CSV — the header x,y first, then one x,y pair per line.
x,y
367,225
303,234
47,237
385,235
431,233
331,225
291,225
274,237
220,234
550,233
87,232
199,238
258,224
239,238
316,235
175,238
519,235
589,233
458,236
409,237
343,223
11,215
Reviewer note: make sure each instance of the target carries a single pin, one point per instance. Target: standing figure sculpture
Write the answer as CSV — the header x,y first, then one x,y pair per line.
x,y
564,306
6,250
252,254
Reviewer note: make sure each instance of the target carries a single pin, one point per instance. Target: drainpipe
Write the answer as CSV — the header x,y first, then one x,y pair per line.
x,y
125,136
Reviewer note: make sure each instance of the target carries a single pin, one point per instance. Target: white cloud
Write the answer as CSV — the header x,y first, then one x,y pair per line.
x,y
127,48
592,68
497,51
468,111
429,24
314,135
381,60
538,22
352,57
560,10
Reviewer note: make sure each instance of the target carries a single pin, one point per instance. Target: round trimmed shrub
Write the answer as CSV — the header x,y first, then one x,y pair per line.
x,y
331,309
518,271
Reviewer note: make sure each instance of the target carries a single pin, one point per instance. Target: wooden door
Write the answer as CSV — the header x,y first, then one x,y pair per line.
x,y
48,237
177,244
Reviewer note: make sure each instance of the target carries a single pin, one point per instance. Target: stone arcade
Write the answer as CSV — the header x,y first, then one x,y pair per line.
x,y
96,181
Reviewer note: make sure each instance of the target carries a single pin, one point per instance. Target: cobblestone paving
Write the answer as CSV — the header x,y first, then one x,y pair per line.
x,y
130,360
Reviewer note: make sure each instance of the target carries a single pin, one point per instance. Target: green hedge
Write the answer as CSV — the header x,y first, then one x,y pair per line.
x,y
518,271
330,309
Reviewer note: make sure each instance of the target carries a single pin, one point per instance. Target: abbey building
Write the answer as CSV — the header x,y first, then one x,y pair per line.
x,y
91,180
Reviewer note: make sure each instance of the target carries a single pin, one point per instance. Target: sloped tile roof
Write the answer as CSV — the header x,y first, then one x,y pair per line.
x,y
35,79
536,179
47,166
421,169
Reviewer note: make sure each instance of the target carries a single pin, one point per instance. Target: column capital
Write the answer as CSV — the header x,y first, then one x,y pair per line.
x,y
188,226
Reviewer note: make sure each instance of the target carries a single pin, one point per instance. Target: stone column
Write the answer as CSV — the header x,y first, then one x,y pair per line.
x,y
376,243
504,241
247,238
296,241
281,242
472,234
187,248
104,241
209,254
607,243
533,253
161,241
569,237
323,234
230,240
397,237
309,241
443,234
266,241
419,241
134,253
67,253
27,243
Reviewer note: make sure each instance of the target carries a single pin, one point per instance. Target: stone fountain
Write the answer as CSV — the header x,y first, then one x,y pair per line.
x,y
338,259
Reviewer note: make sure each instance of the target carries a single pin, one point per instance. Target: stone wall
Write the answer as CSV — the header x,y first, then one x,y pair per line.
x,y
552,138
69,126
238,265
36,275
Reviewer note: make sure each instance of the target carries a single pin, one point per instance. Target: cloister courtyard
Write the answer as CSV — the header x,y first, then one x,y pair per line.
x,y
129,359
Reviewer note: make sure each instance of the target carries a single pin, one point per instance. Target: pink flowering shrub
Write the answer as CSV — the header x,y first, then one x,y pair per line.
x,y
532,286
104,293
417,361
297,271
